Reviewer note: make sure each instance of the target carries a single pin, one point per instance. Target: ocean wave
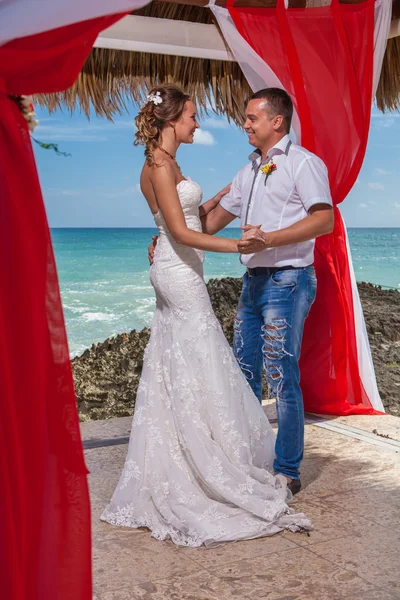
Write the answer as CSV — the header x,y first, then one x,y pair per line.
x,y
99,316
77,349
144,314
146,301
76,309
79,292
135,288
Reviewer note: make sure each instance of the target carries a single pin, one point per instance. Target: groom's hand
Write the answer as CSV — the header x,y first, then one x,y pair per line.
x,y
152,248
253,240
218,197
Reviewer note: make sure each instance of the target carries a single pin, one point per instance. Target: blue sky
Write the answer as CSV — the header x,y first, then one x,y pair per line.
x,y
97,186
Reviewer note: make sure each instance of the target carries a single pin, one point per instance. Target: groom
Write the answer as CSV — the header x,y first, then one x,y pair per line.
x,y
283,200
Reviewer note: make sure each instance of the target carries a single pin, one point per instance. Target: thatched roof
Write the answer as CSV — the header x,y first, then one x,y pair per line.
x,y
111,79
388,93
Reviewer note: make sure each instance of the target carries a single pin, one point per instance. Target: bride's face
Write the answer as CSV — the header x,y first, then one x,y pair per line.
x,y
187,124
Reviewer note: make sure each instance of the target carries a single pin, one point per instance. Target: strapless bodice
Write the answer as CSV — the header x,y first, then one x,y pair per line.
x,y
168,251
190,196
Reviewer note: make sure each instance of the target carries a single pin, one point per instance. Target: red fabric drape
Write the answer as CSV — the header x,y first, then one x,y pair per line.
x,y
324,59
45,548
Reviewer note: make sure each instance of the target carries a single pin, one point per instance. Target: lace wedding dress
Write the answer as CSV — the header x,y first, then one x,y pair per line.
x,y
198,468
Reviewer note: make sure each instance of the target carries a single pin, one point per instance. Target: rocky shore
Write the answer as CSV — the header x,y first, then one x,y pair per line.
x,y
107,375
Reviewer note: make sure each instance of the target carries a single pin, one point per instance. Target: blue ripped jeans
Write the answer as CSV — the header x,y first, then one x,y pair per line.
x,y
268,332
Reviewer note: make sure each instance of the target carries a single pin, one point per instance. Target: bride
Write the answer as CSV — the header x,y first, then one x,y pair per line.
x,y
199,464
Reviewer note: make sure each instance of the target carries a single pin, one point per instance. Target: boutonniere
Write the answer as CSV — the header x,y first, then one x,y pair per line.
x,y
267,169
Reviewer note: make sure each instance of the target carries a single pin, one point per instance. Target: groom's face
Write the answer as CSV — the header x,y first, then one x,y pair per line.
x,y
260,126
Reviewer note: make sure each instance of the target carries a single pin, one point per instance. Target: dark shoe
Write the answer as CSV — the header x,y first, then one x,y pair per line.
x,y
294,486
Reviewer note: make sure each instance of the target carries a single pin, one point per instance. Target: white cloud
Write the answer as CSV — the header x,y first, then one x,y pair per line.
x,y
379,115
374,185
215,123
104,192
205,138
382,121
87,132
116,192
212,170
362,205
48,119
381,172
380,124
62,192
396,205
49,133
123,124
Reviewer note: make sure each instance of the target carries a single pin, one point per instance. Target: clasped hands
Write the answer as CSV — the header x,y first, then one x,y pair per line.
x,y
253,240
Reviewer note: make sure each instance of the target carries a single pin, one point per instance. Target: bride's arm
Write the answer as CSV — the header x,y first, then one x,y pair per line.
x,y
163,180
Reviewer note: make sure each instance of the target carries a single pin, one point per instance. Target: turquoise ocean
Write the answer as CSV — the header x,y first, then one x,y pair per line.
x,y
105,286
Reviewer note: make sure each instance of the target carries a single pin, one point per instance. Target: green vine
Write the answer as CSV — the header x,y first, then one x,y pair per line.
x,y
50,147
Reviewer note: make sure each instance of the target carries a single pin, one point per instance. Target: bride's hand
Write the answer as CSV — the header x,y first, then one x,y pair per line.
x,y
218,197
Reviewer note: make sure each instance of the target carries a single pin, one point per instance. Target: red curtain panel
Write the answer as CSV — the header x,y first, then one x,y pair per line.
x,y
45,548
324,58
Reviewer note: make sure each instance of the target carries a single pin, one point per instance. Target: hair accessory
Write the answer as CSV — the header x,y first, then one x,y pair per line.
x,y
25,106
155,98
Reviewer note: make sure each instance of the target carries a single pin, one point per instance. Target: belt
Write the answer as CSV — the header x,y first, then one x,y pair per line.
x,y
267,270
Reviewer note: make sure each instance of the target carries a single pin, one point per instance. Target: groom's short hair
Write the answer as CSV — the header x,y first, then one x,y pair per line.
x,y
279,103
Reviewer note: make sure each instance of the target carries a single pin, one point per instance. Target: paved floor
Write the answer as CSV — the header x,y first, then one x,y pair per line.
x,y
351,477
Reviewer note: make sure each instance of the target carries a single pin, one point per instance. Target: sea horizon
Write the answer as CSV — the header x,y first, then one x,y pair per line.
x,y
104,274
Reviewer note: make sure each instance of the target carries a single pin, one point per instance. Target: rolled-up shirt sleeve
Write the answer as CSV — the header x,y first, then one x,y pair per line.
x,y
232,202
312,183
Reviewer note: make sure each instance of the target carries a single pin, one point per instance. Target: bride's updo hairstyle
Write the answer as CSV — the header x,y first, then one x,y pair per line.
x,y
164,105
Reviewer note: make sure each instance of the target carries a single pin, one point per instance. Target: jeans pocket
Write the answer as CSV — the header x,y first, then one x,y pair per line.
x,y
285,278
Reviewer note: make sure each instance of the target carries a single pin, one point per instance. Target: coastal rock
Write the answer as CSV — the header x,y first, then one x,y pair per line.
x,y
107,375
382,318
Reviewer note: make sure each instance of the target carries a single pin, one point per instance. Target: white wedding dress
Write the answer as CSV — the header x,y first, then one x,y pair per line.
x,y
198,468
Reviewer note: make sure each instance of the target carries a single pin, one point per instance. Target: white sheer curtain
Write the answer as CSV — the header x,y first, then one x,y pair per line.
x,y
365,363
258,74
383,14
20,18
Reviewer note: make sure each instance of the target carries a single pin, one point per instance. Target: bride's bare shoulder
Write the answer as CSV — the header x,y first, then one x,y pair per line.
x,y
153,172
160,171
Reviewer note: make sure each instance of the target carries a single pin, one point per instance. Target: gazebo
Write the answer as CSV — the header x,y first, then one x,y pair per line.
x,y
219,55
333,60
182,42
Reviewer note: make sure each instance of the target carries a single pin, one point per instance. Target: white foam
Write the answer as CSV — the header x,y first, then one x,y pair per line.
x,y
76,309
77,349
99,316
146,301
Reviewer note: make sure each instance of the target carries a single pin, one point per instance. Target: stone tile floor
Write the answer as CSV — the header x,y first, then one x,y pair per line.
x,y
351,492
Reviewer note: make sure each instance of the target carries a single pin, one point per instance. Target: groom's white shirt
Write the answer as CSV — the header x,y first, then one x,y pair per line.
x,y
299,182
